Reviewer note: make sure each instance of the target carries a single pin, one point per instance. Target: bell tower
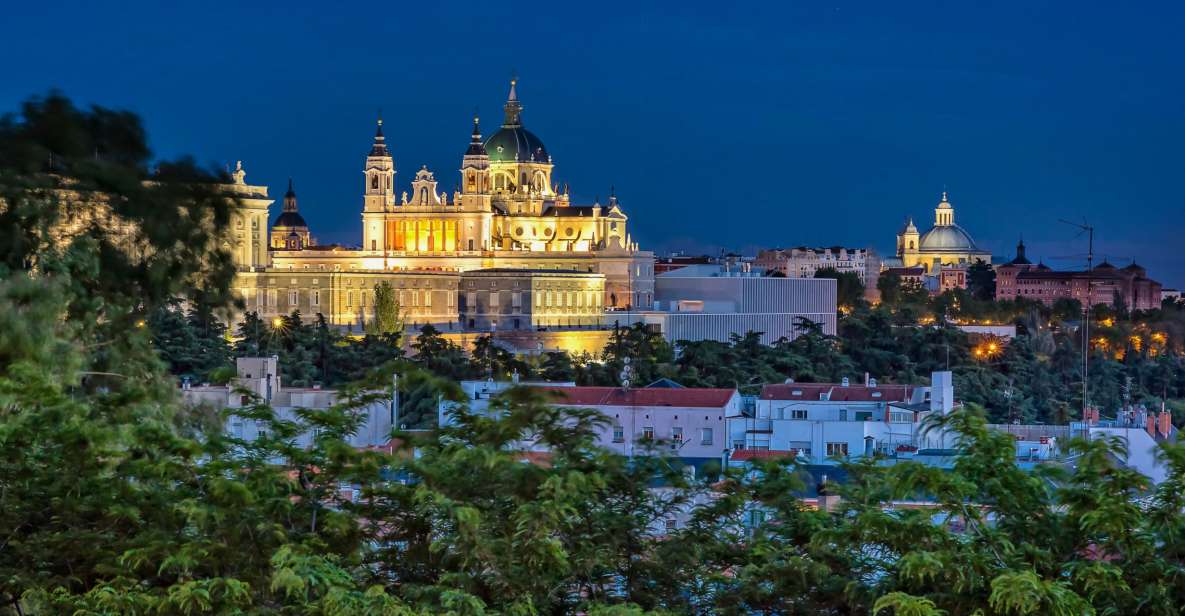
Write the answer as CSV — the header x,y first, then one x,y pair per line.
x,y
379,188
475,169
378,192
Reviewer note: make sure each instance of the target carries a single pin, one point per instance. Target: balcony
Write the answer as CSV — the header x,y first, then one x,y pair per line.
x,y
760,426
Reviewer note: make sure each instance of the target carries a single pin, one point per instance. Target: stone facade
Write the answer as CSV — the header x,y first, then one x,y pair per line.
x,y
507,215
522,299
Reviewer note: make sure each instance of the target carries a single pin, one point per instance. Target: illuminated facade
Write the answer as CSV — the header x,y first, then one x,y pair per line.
x,y
946,243
507,215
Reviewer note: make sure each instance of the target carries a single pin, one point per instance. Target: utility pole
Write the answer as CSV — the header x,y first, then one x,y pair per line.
x,y
1089,230
395,400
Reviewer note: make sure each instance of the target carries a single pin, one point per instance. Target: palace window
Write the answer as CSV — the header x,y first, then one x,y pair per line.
x,y
648,433
349,299
677,434
316,297
618,434
705,436
837,450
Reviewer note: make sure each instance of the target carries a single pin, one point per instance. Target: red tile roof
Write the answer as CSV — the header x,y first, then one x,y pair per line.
x,y
659,396
839,393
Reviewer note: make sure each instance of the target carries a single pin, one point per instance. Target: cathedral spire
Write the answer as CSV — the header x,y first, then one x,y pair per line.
x,y
290,198
513,108
476,147
380,142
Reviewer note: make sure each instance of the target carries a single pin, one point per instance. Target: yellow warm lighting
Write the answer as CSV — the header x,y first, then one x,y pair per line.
x,y
1158,338
277,322
1136,341
1108,321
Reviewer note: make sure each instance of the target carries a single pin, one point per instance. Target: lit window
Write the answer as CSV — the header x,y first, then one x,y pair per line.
x,y
839,450
677,434
648,433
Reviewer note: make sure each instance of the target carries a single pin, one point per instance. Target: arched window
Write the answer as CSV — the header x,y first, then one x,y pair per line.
x,y
374,182
911,245
424,195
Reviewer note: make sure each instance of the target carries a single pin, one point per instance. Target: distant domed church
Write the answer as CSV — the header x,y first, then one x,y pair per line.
x,y
290,232
943,244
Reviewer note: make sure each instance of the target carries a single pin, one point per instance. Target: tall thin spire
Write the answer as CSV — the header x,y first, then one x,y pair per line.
x,y
513,108
290,198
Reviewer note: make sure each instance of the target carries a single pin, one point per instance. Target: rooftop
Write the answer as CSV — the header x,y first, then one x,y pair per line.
x,y
838,392
659,396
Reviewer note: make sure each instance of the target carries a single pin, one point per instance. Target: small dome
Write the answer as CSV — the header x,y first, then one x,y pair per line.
x,y
516,144
947,238
291,220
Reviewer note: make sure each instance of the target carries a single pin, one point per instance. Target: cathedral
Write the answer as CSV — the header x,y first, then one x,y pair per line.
x,y
563,263
943,244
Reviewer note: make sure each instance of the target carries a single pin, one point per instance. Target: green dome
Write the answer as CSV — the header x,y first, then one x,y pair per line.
x,y
516,144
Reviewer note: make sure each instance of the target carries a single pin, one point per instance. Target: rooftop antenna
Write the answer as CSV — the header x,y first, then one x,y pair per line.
x,y
1089,231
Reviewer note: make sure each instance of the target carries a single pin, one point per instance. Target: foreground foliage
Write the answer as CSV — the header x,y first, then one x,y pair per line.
x,y
117,499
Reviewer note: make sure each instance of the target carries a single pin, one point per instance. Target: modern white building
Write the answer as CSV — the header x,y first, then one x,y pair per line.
x,y
716,301
261,377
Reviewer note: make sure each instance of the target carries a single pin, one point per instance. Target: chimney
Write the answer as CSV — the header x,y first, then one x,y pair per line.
x,y
1150,426
942,392
1165,419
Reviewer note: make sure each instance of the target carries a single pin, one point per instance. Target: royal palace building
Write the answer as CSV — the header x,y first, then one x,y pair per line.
x,y
509,219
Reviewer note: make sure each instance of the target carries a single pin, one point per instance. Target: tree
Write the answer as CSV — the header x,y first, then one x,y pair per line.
x,y
849,291
889,285
981,281
388,318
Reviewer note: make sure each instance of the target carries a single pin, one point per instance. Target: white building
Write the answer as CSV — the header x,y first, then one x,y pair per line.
x,y
803,262
715,301
261,376
687,423
821,421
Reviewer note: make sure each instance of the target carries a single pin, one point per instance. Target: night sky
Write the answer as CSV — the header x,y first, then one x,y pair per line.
x,y
819,123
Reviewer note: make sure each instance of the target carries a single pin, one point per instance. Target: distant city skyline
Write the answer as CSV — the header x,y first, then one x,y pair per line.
x,y
736,128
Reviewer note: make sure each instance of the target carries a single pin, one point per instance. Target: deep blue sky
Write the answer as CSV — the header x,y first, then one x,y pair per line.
x,y
721,126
